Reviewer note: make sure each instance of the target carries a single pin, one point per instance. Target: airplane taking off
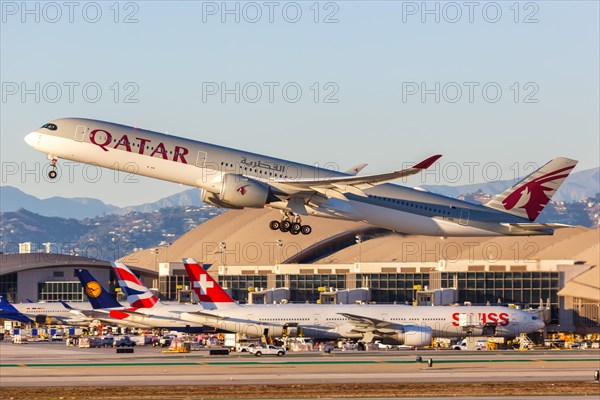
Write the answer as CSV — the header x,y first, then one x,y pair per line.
x,y
392,324
237,179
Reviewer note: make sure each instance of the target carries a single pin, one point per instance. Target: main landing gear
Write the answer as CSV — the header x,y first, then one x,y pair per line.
x,y
290,223
52,174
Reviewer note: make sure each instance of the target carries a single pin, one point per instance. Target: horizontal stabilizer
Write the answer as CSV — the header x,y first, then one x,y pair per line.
x,y
535,226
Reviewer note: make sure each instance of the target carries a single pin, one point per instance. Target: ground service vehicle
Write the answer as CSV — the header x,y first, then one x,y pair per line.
x,y
267,350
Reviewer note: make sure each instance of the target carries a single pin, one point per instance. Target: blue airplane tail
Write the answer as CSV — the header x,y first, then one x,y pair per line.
x,y
98,296
8,311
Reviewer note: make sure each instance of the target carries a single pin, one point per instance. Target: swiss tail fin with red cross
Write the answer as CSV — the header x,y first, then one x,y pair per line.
x,y
208,290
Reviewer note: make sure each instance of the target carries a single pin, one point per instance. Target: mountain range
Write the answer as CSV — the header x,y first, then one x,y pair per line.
x,y
580,185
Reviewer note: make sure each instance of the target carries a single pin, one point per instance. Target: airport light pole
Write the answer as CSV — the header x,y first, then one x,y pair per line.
x,y
359,239
165,246
279,243
222,248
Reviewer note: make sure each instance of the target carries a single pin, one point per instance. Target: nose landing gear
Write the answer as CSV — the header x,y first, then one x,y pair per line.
x,y
52,174
290,223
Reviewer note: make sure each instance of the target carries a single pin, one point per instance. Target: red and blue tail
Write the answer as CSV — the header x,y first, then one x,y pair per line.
x,y
206,288
137,294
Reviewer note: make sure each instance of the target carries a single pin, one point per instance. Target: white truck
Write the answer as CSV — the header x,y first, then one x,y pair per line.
x,y
464,345
267,350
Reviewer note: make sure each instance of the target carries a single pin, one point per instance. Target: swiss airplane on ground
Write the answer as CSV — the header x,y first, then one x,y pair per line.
x,y
392,324
236,179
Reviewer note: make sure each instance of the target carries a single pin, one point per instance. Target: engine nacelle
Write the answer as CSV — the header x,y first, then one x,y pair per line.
x,y
412,335
214,200
238,192
243,192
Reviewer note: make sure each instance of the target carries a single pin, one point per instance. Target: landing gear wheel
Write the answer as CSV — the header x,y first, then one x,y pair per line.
x,y
274,225
295,227
306,229
294,232
52,174
285,226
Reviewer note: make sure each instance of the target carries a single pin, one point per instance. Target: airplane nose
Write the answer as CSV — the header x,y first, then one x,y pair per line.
x,y
32,139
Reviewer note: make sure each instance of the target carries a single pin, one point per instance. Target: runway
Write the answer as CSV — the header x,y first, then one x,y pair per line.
x,y
54,364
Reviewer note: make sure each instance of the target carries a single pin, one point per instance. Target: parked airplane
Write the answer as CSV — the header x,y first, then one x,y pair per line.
x,y
8,311
392,324
236,179
145,311
42,313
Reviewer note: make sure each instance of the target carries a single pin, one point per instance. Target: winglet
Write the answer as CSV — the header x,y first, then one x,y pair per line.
x,y
427,162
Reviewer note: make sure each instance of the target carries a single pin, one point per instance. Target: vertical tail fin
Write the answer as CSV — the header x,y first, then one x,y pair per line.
x,y
206,288
8,311
137,294
98,296
528,198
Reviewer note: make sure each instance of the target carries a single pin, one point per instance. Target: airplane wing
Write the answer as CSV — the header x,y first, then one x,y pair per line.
x,y
371,325
355,184
204,314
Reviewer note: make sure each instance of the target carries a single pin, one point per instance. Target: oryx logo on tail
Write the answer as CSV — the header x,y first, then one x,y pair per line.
x,y
528,198
535,194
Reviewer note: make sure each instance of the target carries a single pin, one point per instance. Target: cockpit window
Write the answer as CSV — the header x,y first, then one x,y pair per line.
x,y
51,127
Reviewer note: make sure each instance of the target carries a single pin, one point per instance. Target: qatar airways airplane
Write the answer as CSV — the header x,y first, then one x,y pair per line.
x,y
237,179
392,324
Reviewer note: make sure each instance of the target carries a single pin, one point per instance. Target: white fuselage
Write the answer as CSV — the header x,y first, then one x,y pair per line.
x,y
204,165
161,315
331,322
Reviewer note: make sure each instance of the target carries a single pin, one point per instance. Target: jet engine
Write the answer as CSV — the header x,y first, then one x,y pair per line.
x,y
409,335
237,192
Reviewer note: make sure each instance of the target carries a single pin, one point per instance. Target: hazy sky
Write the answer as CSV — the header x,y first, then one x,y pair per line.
x,y
495,87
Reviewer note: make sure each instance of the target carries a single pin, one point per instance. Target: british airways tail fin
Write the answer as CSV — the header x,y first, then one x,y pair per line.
x,y
209,292
138,295
528,198
8,311
98,296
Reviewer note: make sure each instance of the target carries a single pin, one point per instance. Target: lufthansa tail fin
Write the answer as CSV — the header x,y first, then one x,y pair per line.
x,y
209,292
138,295
98,296
528,198
8,311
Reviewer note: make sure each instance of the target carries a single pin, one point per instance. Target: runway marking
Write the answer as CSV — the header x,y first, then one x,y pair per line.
x,y
322,362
